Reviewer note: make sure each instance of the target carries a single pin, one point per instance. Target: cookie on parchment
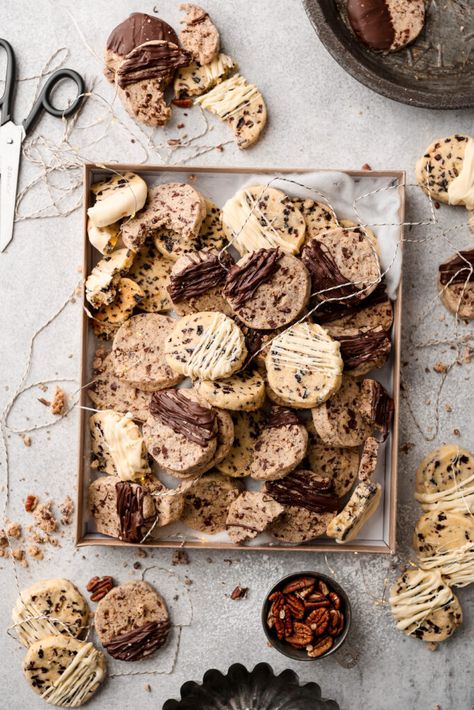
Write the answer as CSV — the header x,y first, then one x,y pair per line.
x,y
107,391
267,289
101,284
132,621
151,272
340,465
196,282
119,196
375,311
456,284
206,345
108,319
318,216
338,421
64,671
121,509
49,607
138,352
207,501
117,446
304,366
244,391
362,349
196,79
441,165
200,36
386,25
250,514
362,504
247,428
281,446
445,479
262,217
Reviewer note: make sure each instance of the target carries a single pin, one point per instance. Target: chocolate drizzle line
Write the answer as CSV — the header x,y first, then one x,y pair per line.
x,y
457,270
137,29
206,272
365,346
329,311
301,489
157,60
325,273
280,416
243,281
182,415
382,408
129,504
372,22
138,643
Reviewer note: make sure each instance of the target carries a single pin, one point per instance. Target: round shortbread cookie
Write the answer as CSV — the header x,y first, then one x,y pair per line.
x,y
362,349
424,606
117,197
439,531
64,671
318,216
132,621
281,446
199,36
304,366
107,391
340,465
244,391
207,346
337,421
456,284
207,501
151,272
440,165
109,318
342,264
196,79
386,25
298,524
250,514
445,468
273,397
267,289
50,606
261,217
211,235
247,428
375,311
138,352
364,231
181,431
196,282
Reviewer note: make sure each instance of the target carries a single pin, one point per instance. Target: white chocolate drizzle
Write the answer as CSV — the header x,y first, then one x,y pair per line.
x,y
222,342
304,348
461,189
456,566
425,593
78,681
118,440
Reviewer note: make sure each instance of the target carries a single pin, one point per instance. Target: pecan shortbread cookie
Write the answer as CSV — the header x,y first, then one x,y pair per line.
x,y
456,284
247,428
107,391
438,171
207,501
340,465
200,36
102,282
375,311
281,446
108,319
151,272
244,391
387,25
362,504
338,421
64,671
197,280
132,621
196,79
119,196
362,349
117,446
267,288
250,514
138,352
304,366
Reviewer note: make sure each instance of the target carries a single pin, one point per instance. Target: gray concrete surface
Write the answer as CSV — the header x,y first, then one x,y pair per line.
x,y
321,117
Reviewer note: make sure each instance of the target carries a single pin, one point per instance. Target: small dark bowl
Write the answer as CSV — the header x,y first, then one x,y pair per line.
x,y
299,654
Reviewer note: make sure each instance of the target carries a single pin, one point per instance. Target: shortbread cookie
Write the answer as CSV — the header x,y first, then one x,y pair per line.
x,y
440,531
101,284
199,36
343,264
132,32
207,501
318,216
297,525
107,391
138,352
145,102
176,210
109,318
267,288
243,391
119,196
197,280
250,514
261,217
441,167
363,231
49,607
368,459
104,239
376,408
207,346
121,509
386,25
196,79
151,272
304,366
362,504
375,311
247,428
456,284
362,349
424,606
117,446
64,671
445,479
338,421
211,234
340,465
281,446
132,621
181,431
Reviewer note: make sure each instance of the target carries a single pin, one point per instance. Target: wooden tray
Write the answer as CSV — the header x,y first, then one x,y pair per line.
x,y
84,534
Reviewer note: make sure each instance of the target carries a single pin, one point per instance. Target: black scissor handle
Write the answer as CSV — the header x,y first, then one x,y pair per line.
x,y
43,102
6,100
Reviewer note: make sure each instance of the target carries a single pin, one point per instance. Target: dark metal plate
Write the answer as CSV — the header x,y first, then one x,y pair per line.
x,y
436,71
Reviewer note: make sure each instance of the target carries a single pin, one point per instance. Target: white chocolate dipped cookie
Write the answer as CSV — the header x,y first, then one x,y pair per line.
x,y
362,504
117,446
117,197
101,284
445,171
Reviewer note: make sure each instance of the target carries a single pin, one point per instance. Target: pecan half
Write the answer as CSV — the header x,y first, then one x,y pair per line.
x,y
318,621
320,647
323,588
296,606
30,503
335,600
99,587
297,584
301,637
288,621
336,622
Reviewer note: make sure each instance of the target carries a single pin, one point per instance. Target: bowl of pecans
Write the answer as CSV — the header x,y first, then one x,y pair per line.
x,y
306,616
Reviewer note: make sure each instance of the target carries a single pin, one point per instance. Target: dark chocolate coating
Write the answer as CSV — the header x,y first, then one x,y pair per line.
x,y
371,22
137,29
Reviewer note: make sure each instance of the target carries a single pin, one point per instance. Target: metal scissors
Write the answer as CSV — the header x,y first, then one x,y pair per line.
x,y
13,135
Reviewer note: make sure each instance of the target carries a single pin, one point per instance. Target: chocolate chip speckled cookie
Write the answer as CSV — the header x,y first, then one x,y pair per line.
x,y
207,502
244,391
151,272
247,428
107,391
250,514
281,446
200,36
441,165
338,421
197,280
340,465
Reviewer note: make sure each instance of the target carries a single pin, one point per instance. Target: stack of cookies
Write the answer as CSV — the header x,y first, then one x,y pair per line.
x,y
241,340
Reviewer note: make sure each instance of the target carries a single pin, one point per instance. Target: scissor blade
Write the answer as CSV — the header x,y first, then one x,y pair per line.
x,y
11,138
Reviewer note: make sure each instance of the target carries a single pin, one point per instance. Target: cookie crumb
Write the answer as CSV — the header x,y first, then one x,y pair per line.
x,y
137,565
366,166
432,646
142,553
13,530
59,402
43,387
35,552
30,503
448,408
239,592
44,517
188,581
19,556
174,141
26,439
3,539
441,367
180,557
407,446
66,508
